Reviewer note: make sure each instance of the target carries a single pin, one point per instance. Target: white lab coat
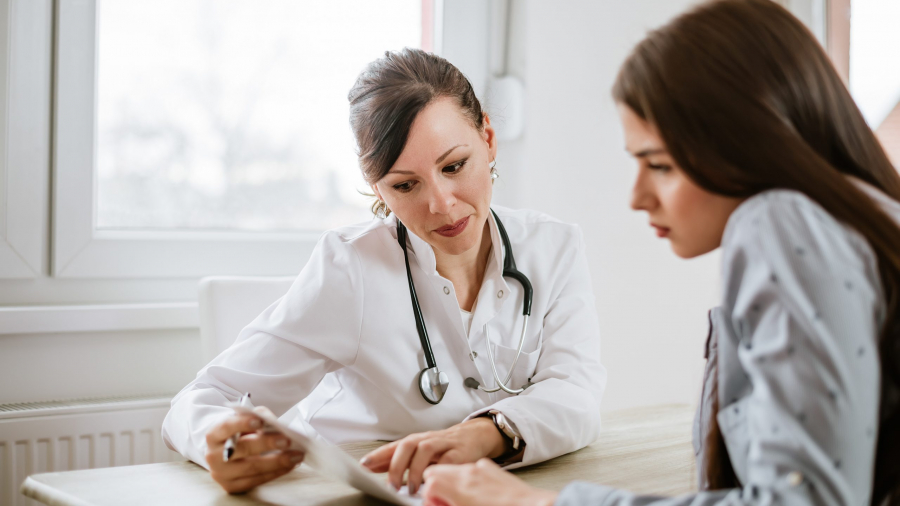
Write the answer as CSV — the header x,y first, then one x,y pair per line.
x,y
343,344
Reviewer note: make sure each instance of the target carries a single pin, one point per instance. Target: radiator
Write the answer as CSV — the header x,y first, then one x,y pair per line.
x,y
82,434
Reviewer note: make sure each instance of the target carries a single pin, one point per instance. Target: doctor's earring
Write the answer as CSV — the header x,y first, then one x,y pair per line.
x,y
380,209
494,173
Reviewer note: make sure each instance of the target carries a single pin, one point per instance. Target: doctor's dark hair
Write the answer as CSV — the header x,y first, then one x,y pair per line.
x,y
746,100
389,94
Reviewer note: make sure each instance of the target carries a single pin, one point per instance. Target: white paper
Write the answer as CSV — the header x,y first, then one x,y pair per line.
x,y
331,461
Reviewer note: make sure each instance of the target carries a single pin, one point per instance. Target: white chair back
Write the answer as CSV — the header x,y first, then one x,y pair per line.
x,y
228,303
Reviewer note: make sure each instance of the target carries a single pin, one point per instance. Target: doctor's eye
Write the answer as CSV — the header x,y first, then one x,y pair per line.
x,y
404,186
659,167
456,167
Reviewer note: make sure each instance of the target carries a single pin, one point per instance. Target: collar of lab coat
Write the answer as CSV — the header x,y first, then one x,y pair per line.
x,y
424,253
488,303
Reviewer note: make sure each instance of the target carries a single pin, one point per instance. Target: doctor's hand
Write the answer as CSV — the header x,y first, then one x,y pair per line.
x,y
481,483
464,442
257,457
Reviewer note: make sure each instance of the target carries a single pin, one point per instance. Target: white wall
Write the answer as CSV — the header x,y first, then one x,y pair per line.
x,y
572,165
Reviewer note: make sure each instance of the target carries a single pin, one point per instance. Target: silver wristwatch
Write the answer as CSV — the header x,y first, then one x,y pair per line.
x,y
506,428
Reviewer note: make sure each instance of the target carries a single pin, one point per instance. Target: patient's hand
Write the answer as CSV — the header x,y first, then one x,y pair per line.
x,y
482,483
460,444
257,457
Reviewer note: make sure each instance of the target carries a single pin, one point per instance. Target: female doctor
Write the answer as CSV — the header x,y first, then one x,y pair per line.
x,y
455,330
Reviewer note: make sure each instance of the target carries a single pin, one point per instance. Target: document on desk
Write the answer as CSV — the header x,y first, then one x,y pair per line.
x,y
331,461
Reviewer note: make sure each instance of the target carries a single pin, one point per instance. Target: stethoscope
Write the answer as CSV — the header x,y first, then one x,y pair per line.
x,y
432,382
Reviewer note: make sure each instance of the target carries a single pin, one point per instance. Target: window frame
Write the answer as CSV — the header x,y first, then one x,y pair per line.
x,y
829,20
25,63
81,251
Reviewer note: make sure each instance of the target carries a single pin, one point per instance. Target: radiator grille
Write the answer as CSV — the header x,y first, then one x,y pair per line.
x,y
44,408
78,434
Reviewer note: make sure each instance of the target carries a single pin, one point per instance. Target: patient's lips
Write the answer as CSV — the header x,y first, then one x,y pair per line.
x,y
660,230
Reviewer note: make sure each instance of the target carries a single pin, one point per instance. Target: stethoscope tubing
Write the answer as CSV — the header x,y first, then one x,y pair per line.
x,y
509,270
417,312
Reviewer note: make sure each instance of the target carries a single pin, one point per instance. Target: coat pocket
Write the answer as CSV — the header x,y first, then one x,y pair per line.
x,y
525,366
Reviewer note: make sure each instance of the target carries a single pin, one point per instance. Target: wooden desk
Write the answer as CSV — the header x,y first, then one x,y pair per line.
x,y
645,450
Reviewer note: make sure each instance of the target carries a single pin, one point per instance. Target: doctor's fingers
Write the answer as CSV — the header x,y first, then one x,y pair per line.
x,y
257,443
406,448
242,485
451,457
427,452
255,465
379,461
237,424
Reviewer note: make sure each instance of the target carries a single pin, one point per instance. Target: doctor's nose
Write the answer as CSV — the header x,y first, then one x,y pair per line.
x,y
441,199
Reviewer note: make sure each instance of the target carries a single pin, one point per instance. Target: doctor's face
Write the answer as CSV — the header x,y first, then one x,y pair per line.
x,y
692,218
440,186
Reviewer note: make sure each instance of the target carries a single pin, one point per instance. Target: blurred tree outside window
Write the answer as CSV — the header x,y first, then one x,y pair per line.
x,y
233,114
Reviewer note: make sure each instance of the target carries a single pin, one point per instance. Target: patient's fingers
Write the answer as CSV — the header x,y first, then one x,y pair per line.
x,y
441,484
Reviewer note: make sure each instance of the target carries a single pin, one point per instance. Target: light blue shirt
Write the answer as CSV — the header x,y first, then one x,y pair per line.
x,y
794,345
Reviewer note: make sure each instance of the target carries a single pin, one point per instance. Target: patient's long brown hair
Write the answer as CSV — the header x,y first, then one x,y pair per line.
x,y
746,100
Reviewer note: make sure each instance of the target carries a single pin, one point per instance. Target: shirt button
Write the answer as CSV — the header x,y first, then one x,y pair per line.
x,y
795,478
500,294
473,355
446,291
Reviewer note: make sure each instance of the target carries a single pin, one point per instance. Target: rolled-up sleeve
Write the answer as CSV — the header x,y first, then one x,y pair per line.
x,y
799,382
283,354
560,413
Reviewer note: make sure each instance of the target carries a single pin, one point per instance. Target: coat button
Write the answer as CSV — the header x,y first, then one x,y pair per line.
x,y
500,294
446,291
473,355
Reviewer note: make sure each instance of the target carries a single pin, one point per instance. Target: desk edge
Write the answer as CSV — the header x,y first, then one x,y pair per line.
x,y
48,495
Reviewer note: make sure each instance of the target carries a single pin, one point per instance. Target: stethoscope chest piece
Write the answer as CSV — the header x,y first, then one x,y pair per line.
x,y
433,384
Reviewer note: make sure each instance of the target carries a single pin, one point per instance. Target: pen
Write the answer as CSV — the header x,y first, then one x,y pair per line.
x,y
228,450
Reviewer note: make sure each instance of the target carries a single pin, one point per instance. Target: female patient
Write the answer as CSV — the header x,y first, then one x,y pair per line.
x,y
746,139
345,343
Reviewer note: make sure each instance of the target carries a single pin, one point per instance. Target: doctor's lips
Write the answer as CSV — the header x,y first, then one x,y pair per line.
x,y
455,229
660,231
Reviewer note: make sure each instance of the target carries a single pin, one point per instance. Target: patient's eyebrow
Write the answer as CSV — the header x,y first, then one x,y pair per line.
x,y
647,152
446,153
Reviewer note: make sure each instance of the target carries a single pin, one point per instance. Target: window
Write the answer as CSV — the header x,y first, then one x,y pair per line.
x,y
874,76
861,38
197,137
228,114
160,166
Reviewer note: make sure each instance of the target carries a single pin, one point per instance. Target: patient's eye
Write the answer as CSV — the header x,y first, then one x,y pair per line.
x,y
659,167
